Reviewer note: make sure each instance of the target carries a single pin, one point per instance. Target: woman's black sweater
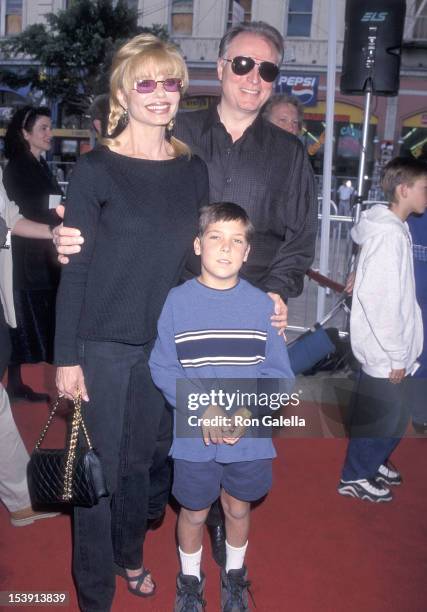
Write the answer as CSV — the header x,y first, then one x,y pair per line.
x,y
138,218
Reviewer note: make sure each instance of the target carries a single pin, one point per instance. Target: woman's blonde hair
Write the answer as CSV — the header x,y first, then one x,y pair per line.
x,y
144,55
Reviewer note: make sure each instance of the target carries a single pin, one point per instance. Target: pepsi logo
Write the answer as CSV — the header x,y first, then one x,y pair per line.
x,y
303,87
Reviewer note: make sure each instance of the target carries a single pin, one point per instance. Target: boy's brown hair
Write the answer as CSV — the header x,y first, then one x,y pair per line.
x,y
225,211
398,171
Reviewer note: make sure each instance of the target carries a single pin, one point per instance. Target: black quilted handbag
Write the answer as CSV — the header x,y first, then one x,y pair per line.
x,y
70,475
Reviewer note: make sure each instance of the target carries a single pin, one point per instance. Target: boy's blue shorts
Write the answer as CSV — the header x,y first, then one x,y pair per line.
x,y
196,485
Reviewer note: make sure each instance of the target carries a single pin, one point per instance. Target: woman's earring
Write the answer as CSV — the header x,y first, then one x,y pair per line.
x,y
125,115
170,125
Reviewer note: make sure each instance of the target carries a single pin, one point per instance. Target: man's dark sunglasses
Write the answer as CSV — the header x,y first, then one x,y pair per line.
x,y
242,65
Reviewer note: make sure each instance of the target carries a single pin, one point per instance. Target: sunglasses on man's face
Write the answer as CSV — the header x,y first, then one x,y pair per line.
x,y
145,86
242,65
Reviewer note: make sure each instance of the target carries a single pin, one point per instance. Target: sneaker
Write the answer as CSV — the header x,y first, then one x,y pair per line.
x,y
235,590
365,489
27,516
189,593
388,475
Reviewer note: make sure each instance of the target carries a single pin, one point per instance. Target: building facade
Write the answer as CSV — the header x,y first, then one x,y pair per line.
x,y
198,25
399,121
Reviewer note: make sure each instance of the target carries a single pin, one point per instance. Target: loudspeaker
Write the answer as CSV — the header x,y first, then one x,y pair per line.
x,y
372,45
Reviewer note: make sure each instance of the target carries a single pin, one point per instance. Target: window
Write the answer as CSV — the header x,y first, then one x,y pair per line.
x,y
299,17
13,21
246,6
182,16
420,28
132,4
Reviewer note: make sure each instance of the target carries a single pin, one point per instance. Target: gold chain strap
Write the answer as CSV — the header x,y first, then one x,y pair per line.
x,y
77,422
46,427
68,476
72,446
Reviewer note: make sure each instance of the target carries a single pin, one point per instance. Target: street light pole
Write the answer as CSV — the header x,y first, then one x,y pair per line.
x,y
328,153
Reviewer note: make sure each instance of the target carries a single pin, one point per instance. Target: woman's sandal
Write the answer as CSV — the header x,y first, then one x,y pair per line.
x,y
139,579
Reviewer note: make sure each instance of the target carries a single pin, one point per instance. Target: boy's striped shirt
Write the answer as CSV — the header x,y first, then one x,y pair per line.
x,y
203,347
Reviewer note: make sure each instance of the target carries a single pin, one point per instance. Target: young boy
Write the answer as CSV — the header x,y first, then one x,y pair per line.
x,y
218,327
386,332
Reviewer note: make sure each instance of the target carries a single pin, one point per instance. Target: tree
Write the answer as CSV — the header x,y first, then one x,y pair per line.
x,y
72,53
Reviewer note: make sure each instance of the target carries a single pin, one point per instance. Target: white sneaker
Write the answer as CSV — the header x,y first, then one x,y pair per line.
x,y
27,516
388,474
369,490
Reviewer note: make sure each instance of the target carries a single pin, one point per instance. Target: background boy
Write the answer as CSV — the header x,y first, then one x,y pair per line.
x,y
386,332
218,326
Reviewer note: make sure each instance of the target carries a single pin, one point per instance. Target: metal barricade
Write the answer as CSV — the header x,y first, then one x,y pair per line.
x,y
303,309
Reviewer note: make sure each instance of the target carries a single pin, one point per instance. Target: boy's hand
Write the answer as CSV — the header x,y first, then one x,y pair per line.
x,y
280,317
396,376
349,284
232,434
212,433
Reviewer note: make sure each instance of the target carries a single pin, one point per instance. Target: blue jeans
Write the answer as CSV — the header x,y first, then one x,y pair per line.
x,y
111,370
380,415
418,391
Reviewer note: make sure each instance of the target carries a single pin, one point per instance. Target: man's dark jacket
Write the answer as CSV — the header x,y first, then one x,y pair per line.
x,y
267,172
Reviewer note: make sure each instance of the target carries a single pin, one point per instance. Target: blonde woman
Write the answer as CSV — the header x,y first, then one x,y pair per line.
x,y
135,199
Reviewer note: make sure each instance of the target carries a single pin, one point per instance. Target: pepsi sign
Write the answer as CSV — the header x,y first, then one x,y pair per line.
x,y
303,87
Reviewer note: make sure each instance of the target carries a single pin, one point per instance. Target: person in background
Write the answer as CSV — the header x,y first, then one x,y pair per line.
x,y
418,228
345,192
30,184
99,111
386,332
286,112
13,454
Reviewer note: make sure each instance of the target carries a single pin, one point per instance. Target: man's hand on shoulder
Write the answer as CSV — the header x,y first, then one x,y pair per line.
x,y
280,317
67,240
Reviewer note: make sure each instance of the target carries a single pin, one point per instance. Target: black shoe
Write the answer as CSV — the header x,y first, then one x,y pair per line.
x,y
235,590
420,428
217,536
189,593
24,392
155,523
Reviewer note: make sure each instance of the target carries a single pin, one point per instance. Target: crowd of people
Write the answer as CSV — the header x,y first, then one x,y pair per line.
x,y
184,236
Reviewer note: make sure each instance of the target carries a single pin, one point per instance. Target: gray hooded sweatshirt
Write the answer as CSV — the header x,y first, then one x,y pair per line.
x,y
385,325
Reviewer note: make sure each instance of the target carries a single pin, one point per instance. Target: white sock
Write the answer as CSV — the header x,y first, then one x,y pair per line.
x,y
190,563
235,557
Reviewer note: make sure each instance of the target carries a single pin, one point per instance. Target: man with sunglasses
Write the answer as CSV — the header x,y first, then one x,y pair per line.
x,y
254,164
260,167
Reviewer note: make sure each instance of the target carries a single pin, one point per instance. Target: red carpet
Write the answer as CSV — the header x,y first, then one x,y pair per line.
x,y
310,550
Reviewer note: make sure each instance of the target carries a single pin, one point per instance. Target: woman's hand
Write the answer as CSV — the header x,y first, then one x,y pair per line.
x,y
70,382
280,317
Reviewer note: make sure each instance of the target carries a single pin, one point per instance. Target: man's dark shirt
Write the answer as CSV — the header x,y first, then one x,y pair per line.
x,y
267,172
